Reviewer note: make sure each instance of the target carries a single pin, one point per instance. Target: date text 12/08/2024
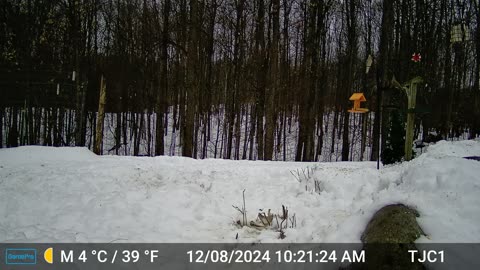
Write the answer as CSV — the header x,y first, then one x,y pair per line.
x,y
279,256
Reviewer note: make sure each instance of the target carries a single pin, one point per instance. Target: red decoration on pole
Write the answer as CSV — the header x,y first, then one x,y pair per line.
x,y
416,57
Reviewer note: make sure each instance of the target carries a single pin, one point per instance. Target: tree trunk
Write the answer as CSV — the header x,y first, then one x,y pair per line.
x,y
260,77
163,89
246,134
476,104
80,118
251,135
13,129
351,18
100,117
383,73
1,126
192,80
272,88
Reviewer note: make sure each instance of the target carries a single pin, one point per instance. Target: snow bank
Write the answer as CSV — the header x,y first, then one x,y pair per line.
x,y
72,195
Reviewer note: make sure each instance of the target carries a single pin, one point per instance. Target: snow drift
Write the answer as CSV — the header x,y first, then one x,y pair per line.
x,y
72,195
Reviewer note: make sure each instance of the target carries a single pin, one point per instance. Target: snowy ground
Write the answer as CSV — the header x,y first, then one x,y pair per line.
x,y
72,195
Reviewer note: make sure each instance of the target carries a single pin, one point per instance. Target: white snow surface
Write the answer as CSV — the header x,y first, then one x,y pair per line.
x,y
71,195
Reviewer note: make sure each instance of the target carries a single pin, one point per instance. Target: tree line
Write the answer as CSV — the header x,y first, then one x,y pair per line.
x,y
246,72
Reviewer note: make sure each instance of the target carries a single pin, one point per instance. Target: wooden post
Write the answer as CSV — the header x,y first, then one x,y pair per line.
x,y
100,117
411,91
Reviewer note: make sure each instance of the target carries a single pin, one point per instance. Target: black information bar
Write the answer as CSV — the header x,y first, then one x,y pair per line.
x,y
16,256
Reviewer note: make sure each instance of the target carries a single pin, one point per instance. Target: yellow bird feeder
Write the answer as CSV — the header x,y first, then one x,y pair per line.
x,y
357,98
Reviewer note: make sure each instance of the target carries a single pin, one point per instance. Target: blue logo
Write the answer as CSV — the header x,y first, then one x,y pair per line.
x,y
20,256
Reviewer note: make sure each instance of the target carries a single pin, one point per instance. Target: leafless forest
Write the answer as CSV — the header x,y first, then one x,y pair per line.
x,y
236,79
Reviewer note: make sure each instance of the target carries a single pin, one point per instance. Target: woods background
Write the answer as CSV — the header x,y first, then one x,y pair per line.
x,y
236,79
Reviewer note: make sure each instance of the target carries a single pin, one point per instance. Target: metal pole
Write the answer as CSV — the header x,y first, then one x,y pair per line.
x,y
379,106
